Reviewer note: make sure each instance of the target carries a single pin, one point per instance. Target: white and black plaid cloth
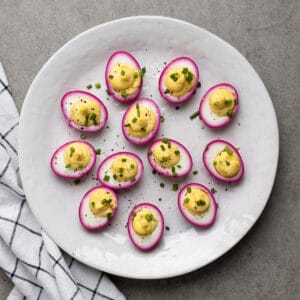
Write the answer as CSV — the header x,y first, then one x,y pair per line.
x,y
28,256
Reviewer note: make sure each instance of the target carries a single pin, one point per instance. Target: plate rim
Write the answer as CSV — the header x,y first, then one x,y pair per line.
x,y
151,18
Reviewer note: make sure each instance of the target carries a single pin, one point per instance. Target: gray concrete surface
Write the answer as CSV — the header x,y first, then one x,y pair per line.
x,y
265,264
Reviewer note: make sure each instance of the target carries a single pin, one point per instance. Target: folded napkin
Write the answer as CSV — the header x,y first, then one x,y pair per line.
x,y
28,256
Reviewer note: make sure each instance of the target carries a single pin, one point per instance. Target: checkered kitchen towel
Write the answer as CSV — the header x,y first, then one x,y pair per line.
x,y
28,256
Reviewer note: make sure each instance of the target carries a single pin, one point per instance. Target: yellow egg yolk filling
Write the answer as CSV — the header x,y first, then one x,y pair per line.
x,y
196,201
77,156
140,121
124,79
166,154
227,163
144,221
85,112
179,81
222,102
124,168
102,203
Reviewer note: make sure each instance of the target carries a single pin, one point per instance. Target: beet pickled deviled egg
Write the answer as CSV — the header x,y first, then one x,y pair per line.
x,y
84,111
97,208
120,170
141,121
178,80
169,158
124,76
145,226
73,159
197,205
223,161
219,105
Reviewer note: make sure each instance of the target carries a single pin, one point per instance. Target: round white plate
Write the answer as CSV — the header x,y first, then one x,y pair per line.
x,y
153,41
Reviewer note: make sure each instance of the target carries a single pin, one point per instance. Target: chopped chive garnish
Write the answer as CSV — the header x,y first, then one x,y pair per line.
x,y
82,136
228,101
186,200
106,178
134,120
124,94
89,86
169,145
162,147
227,163
229,113
165,140
143,129
111,76
175,187
127,125
217,103
108,92
93,116
179,166
142,73
173,170
86,121
68,166
189,190
167,91
195,172
238,148
164,159
132,178
124,159
162,119
98,151
98,85
77,181
115,176
122,72
135,74
228,150
198,84
108,216
72,150
162,185
131,166
194,115
167,228
106,201
93,203
213,190
200,203
187,74
149,217
121,175
174,76
177,152
215,163
150,152
80,167
138,110
121,170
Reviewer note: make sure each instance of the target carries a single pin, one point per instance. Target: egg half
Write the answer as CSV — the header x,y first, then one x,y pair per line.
x,y
145,226
84,111
98,207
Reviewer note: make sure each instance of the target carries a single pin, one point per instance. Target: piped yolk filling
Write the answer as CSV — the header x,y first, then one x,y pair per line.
x,y
102,203
124,168
140,121
77,156
179,81
196,201
85,112
222,102
227,163
144,221
124,79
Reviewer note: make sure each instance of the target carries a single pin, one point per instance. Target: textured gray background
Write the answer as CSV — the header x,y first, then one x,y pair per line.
x,y
265,264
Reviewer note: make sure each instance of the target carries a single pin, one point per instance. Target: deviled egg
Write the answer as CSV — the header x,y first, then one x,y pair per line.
x,y
223,161
219,105
141,121
123,76
145,226
84,111
169,158
178,80
120,170
97,208
197,205
73,159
